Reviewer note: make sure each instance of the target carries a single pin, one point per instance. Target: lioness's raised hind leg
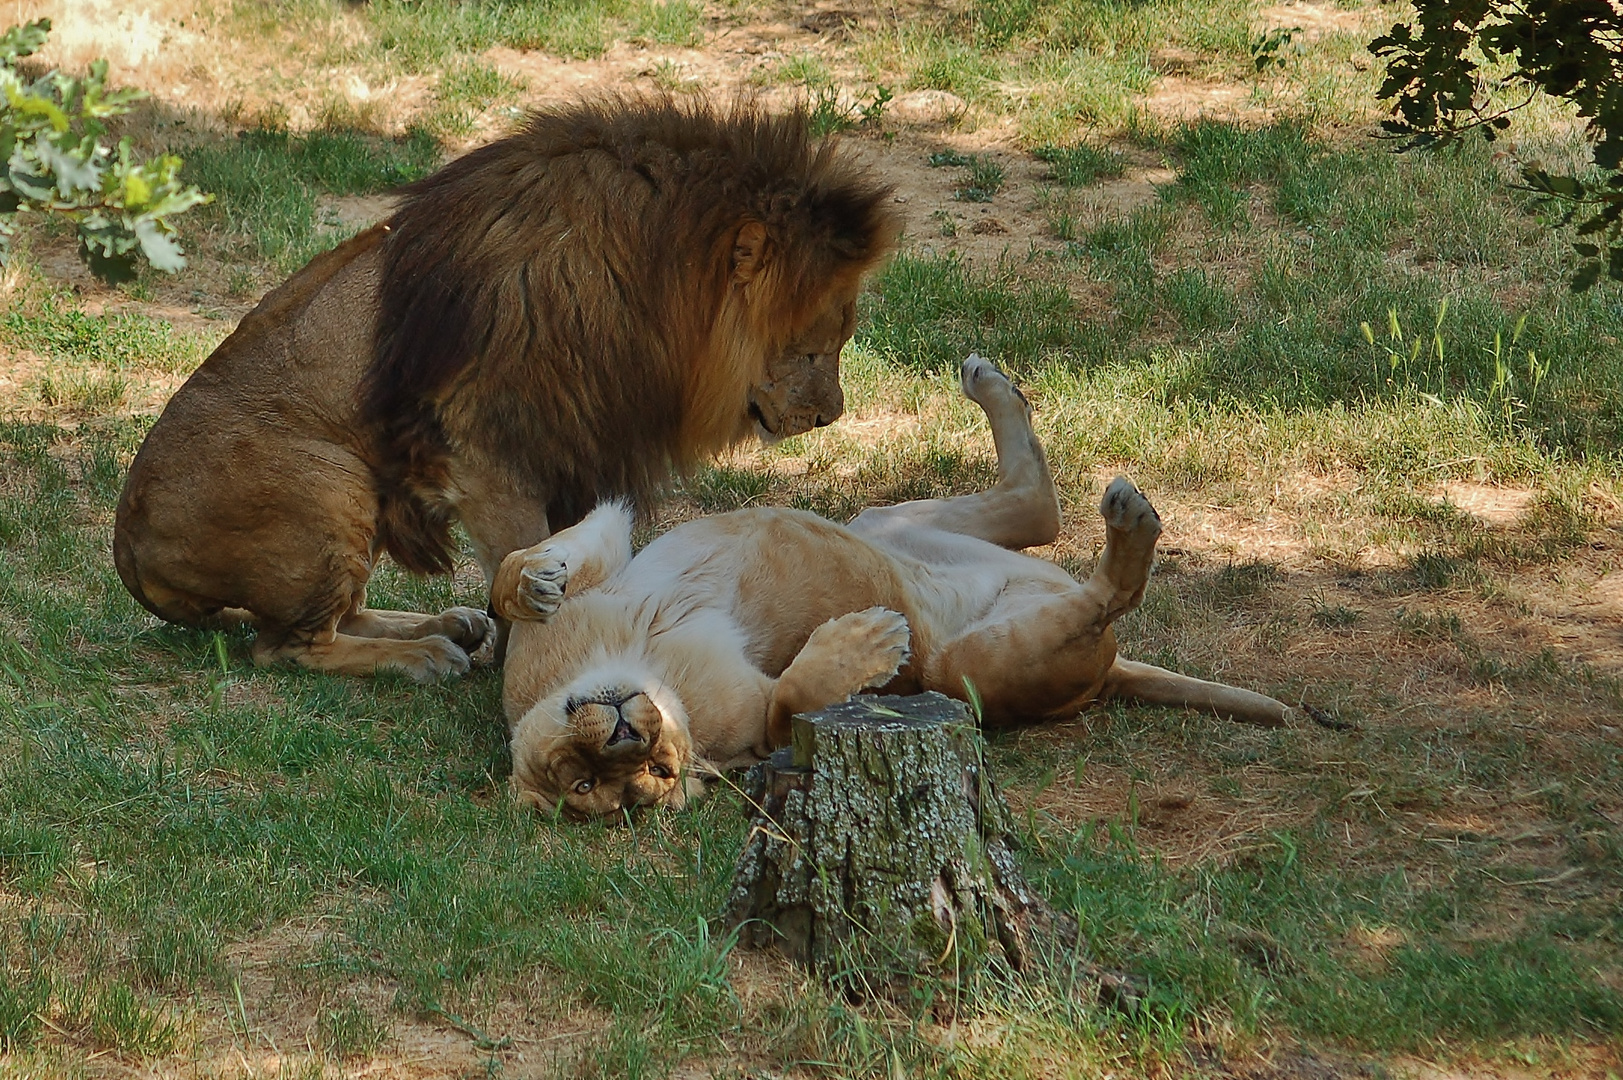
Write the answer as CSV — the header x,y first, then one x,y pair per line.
x,y
1117,586
1131,529
532,583
1022,509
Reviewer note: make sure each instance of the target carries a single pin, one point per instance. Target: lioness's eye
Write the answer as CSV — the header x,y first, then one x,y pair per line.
x,y
660,771
582,787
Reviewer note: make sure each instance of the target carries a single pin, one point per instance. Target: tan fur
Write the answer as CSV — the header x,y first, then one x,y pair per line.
x,y
702,648
619,290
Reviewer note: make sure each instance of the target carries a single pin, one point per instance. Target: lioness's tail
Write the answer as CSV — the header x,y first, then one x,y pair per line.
x,y
1150,685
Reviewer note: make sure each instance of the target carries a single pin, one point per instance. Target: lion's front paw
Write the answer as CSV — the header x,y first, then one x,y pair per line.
x,y
478,635
1126,509
869,647
428,659
468,627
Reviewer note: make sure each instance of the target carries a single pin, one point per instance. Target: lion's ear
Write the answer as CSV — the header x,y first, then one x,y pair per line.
x,y
749,252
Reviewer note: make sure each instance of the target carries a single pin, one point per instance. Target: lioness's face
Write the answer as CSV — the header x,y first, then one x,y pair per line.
x,y
600,749
801,388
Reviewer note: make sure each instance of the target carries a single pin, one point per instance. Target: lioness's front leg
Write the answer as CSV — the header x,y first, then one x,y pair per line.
x,y
531,583
853,652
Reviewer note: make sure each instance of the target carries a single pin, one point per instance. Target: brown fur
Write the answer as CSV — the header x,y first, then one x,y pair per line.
x,y
618,291
701,649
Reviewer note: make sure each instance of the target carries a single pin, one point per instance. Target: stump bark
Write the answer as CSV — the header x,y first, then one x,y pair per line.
x,y
880,835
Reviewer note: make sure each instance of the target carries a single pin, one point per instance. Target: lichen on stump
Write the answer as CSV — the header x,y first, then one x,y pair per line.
x,y
880,835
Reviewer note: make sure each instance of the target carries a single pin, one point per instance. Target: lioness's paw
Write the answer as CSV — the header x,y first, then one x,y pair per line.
x,y
531,584
872,646
429,659
982,381
1125,508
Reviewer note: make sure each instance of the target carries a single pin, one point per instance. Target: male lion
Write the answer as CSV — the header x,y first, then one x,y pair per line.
x,y
619,290
626,676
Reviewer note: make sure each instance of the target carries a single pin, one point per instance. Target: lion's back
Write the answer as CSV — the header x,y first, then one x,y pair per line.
x,y
261,432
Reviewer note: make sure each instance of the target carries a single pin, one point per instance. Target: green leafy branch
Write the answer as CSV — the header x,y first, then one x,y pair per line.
x,y
53,160
1567,49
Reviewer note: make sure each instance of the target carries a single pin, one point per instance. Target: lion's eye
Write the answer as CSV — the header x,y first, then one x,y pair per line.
x,y
660,771
583,787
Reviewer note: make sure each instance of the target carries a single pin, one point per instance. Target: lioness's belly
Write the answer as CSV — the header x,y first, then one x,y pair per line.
x,y
781,573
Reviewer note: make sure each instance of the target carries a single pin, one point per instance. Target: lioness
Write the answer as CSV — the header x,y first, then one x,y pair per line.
x,y
628,677
617,291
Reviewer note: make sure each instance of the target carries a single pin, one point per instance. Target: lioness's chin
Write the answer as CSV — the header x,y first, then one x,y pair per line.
x,y
603,748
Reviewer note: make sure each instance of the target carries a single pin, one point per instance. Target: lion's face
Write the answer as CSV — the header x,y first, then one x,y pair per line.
x,y
603,746
801,388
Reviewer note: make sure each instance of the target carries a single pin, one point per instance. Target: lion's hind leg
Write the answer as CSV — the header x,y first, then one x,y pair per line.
x,y
532,583
1021,510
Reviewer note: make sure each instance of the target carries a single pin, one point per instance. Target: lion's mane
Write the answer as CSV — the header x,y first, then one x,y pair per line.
x,y
550,256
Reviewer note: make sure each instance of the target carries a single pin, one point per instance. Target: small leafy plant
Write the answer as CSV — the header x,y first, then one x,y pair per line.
x,y
829,115
1276,47
53,160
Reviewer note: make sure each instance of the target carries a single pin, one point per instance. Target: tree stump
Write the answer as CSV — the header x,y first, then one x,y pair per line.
x,y
880,835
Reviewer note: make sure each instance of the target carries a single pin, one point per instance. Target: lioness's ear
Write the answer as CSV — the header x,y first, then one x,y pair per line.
x,y
749,252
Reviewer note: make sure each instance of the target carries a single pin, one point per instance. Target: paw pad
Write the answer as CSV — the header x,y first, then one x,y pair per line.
x,y
542,582
1125,507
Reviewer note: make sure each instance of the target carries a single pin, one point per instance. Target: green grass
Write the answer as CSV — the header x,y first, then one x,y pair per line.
x,y
928,313
801,68
1268,936
92,363
983,178
1054,64
350,1031
465,92
1286,336
1081,165
424,35
267,183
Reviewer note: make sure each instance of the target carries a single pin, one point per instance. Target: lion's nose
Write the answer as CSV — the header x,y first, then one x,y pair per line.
x,y
623,732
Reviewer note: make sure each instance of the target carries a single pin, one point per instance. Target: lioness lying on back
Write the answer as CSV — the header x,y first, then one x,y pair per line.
x,y
627,676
